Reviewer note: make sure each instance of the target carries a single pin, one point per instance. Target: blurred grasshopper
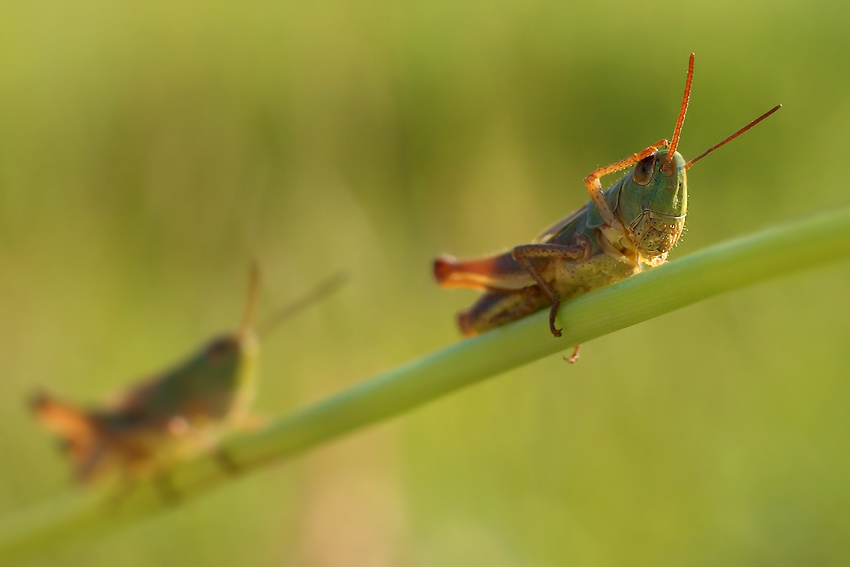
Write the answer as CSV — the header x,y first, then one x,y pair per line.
x,y
636,221
176,414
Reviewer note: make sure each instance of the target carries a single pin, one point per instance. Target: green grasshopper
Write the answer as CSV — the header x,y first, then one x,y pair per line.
x,y
182,410
635,222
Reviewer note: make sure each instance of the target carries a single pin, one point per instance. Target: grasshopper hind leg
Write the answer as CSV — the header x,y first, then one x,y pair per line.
x,y
498,272
498,307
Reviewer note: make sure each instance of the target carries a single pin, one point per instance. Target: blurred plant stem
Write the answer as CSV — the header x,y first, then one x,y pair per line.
x,y
724,267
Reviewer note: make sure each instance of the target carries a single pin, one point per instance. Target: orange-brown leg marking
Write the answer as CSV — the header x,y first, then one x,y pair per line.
x,y
572,359
524,255
499,271
594,186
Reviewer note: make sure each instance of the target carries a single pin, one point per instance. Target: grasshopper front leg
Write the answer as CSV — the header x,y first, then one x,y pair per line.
x,y
525,255
594,186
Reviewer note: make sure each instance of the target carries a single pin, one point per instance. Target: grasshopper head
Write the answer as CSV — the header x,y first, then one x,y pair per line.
x,y
226,371
653,203
204,389
653,199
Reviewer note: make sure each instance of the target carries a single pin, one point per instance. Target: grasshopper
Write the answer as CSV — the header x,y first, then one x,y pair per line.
x,y
178,412
634,223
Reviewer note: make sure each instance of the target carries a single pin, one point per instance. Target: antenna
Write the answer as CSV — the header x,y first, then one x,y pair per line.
x,y
733,136
319,292
671,149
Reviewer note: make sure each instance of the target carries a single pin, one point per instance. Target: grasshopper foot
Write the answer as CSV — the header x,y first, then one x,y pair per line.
x,y
572,359
552,314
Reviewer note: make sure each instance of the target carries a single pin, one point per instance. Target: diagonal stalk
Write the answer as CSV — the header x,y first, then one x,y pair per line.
x,y
718,269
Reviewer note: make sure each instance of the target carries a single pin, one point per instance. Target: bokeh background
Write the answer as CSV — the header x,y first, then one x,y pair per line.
x,y
149,152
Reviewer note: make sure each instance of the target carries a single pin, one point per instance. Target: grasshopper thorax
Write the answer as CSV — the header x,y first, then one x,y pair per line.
x,y
653,202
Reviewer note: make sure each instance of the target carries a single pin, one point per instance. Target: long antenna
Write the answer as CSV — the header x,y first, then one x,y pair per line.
x,y
319,292
733,136
671,149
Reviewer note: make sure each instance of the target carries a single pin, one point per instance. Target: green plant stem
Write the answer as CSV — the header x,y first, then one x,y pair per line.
x,y
724,267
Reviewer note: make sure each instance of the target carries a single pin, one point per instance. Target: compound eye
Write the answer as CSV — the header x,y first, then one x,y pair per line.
x,y
644,169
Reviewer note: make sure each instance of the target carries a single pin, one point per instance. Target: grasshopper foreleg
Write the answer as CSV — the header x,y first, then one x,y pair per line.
x,y
525,255
594,186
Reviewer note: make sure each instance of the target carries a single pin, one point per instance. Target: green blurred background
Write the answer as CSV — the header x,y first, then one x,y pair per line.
x,y
148,153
